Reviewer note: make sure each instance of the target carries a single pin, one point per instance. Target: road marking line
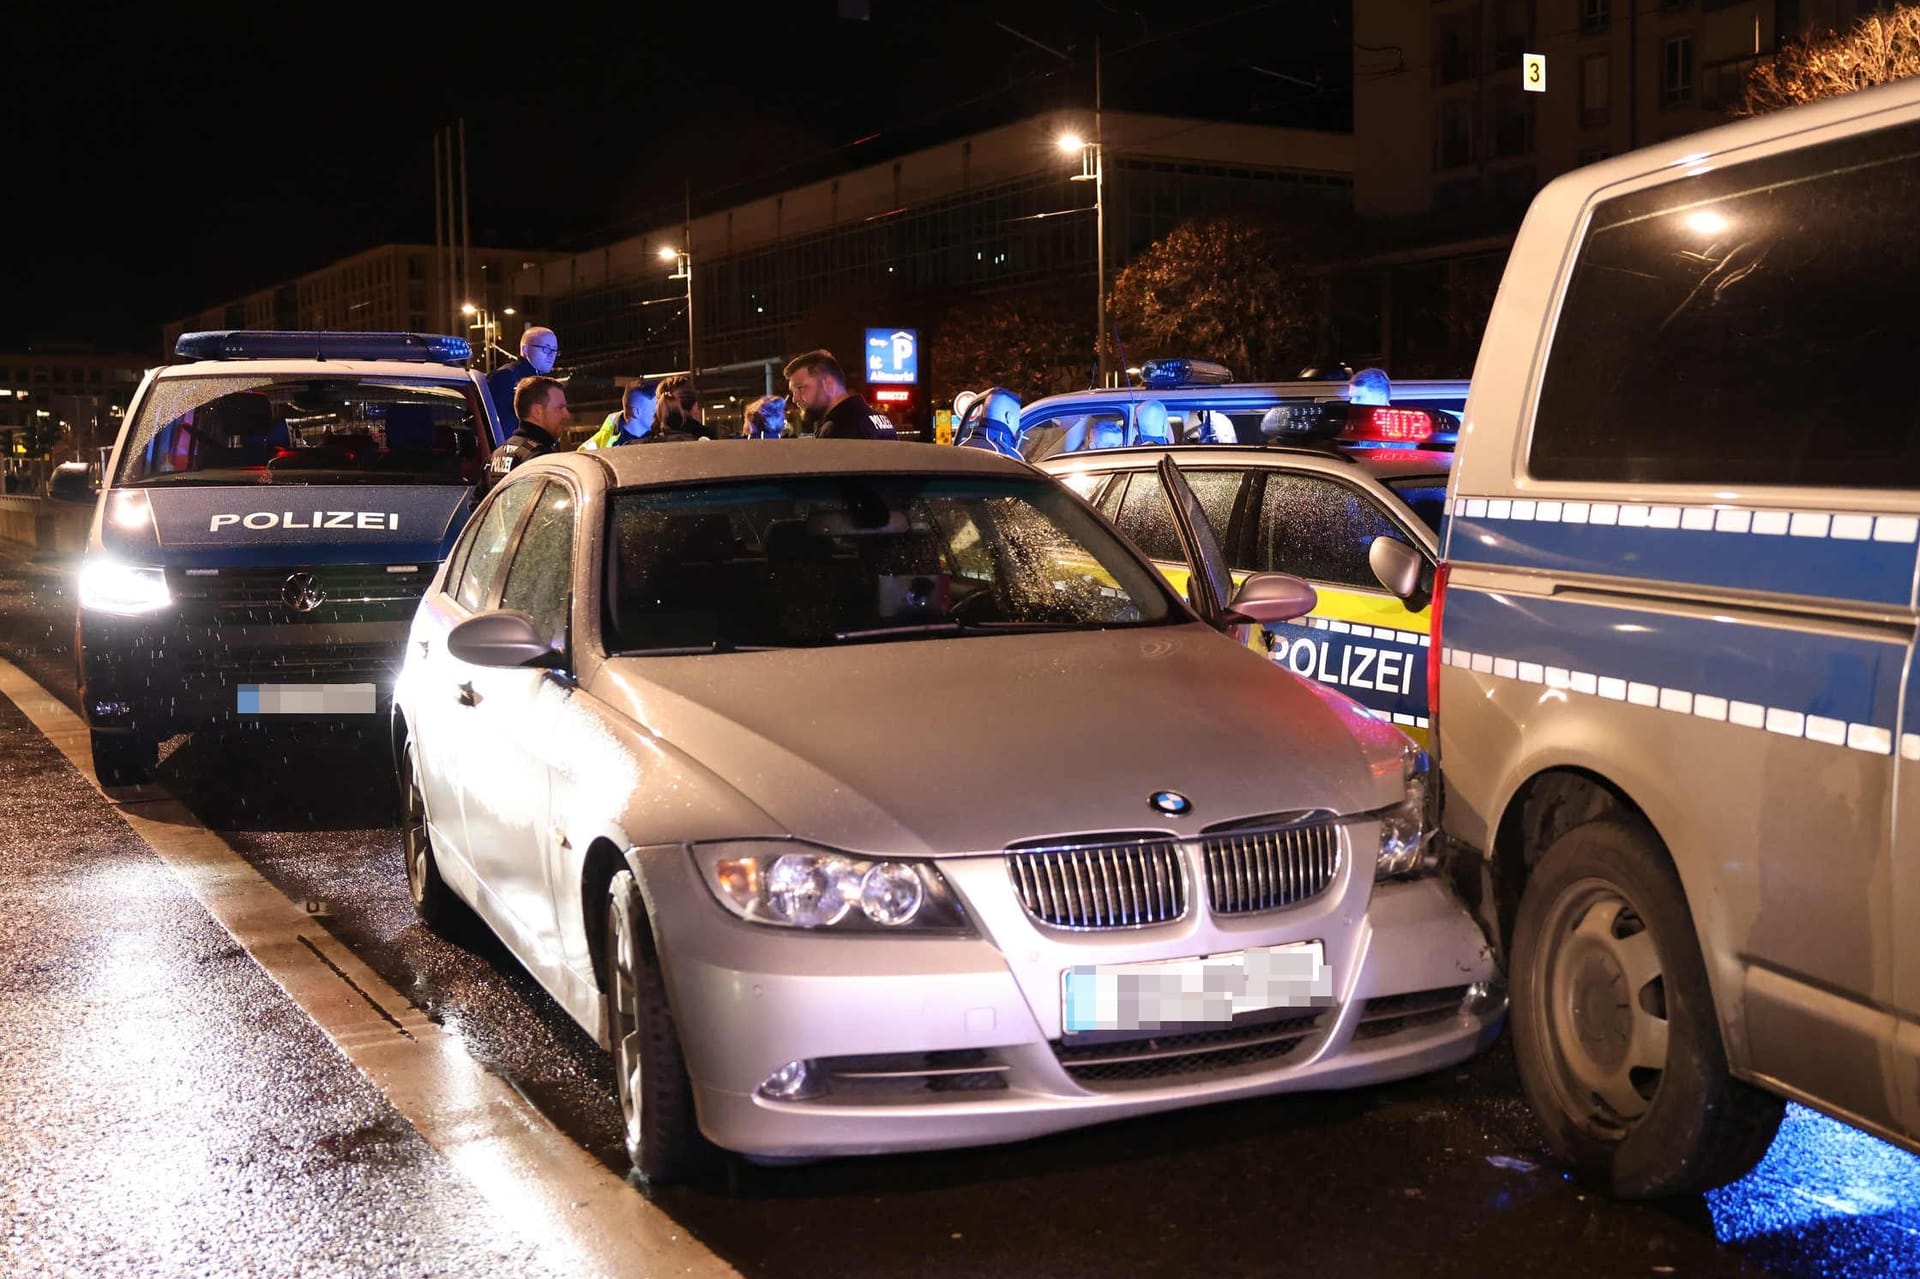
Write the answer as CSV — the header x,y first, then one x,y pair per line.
x,y
541,1183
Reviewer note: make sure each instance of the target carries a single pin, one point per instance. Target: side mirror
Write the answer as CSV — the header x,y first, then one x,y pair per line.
x,y
1267,598
1401,569
504,637
72,482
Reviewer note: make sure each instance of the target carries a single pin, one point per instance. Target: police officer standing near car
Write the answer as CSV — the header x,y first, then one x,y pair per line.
x,y
819,387
541,405
539,348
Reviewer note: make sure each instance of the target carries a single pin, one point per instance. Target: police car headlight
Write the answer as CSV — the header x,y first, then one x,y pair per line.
x,y
1407,846
109,586
788,884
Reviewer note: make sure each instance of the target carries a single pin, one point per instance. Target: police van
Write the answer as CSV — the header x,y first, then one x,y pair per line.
x,y
271,513
1347,495
1676,706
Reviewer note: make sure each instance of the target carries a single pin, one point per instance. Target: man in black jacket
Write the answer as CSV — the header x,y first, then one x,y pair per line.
x,y
539,348
541,405
819,387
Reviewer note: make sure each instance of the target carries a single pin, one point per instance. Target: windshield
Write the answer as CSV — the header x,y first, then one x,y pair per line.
x,y
815,561
1425,496
302,429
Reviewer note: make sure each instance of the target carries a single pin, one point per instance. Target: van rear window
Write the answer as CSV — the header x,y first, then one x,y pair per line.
x,y
1748,325
265,429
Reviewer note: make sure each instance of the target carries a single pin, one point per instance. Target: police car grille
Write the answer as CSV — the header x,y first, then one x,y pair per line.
x,y
298,664
1113,884
1250,871
348,593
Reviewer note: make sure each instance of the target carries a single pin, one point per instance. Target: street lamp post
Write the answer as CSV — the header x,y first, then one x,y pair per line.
x,y
1093,169
682,270
479,317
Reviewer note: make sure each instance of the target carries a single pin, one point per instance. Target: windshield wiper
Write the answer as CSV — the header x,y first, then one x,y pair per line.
x,y
963,628
691,650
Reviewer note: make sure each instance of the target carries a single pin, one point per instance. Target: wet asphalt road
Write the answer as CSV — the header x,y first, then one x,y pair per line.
x,y
134,1026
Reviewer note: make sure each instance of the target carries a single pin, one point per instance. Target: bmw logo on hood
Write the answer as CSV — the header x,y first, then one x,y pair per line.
x,y
1170,801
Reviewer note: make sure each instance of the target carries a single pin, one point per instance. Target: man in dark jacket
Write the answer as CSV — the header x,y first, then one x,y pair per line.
x,y
819,387
541,405
539,348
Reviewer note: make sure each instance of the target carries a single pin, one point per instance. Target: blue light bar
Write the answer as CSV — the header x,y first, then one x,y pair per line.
x,y
1169,373
290,344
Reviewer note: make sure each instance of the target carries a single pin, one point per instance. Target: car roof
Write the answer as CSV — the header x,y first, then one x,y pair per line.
x,y
694,460
1229,393
1382,464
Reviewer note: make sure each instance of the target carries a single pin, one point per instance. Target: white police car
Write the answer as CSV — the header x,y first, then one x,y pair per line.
x,y
273,509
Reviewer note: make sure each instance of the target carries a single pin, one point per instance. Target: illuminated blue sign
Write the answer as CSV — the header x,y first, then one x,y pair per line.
x,y
893,356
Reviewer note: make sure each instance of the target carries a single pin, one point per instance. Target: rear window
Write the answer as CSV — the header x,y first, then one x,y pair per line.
x,y
1745,325
1425,496
261,429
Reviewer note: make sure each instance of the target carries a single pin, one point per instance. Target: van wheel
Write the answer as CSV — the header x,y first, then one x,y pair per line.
x,y
124,759
650,1075
1614,1027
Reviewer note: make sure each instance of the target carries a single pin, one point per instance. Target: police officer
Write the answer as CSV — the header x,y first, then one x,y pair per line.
x,y
541,405
765,418
630,425
992,422
539,348
819,387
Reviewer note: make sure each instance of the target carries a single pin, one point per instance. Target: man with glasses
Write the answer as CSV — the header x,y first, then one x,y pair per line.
x,y
539,348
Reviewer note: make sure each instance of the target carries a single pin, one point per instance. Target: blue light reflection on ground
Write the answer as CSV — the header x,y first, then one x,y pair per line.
x,y
1822,1178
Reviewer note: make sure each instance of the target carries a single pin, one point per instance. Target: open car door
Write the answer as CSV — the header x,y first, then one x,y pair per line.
x,y
1209,583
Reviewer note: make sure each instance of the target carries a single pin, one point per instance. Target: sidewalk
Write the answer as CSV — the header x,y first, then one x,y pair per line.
x,y
165,1108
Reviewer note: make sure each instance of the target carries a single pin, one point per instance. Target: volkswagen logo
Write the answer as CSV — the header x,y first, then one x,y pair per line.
x,y
301,593
1171,802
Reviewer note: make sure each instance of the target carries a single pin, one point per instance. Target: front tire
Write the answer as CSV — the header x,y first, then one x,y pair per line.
x,y
1614,1026
433,901
123,759
650,1074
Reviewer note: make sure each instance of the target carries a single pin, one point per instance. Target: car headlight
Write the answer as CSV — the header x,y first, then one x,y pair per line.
x,y
109,586
1406,829
793,885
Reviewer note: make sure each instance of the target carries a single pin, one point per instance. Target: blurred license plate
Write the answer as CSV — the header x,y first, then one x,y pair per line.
x,y
306,699
1186,992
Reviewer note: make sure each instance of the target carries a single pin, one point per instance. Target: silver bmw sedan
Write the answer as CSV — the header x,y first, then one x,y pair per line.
x,y
872,797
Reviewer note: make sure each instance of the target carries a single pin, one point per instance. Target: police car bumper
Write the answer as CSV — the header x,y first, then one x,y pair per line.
x,y
804,1045
159,677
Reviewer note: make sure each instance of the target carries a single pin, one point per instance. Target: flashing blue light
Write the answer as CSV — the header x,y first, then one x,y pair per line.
x,y
1170,373
291,344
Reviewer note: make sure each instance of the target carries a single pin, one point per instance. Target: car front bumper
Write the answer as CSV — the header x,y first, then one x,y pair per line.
x,y
924,1043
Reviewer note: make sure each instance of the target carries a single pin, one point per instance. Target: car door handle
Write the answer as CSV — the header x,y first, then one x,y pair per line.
x,y
467,696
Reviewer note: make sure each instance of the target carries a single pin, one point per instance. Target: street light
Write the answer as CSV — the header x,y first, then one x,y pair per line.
x,y
1093,169
489,325
682,270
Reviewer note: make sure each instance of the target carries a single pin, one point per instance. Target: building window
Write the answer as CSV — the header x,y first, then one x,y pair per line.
x,y
1595,16
1596,90
1512,122
1593,155
1511,22
1453,48
1676,75
1722,83
1673,6
1453,138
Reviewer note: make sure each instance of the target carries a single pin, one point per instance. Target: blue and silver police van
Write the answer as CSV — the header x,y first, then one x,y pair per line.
x,y
270,515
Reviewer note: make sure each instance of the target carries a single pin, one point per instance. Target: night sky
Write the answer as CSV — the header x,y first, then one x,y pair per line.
x,y
168,158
